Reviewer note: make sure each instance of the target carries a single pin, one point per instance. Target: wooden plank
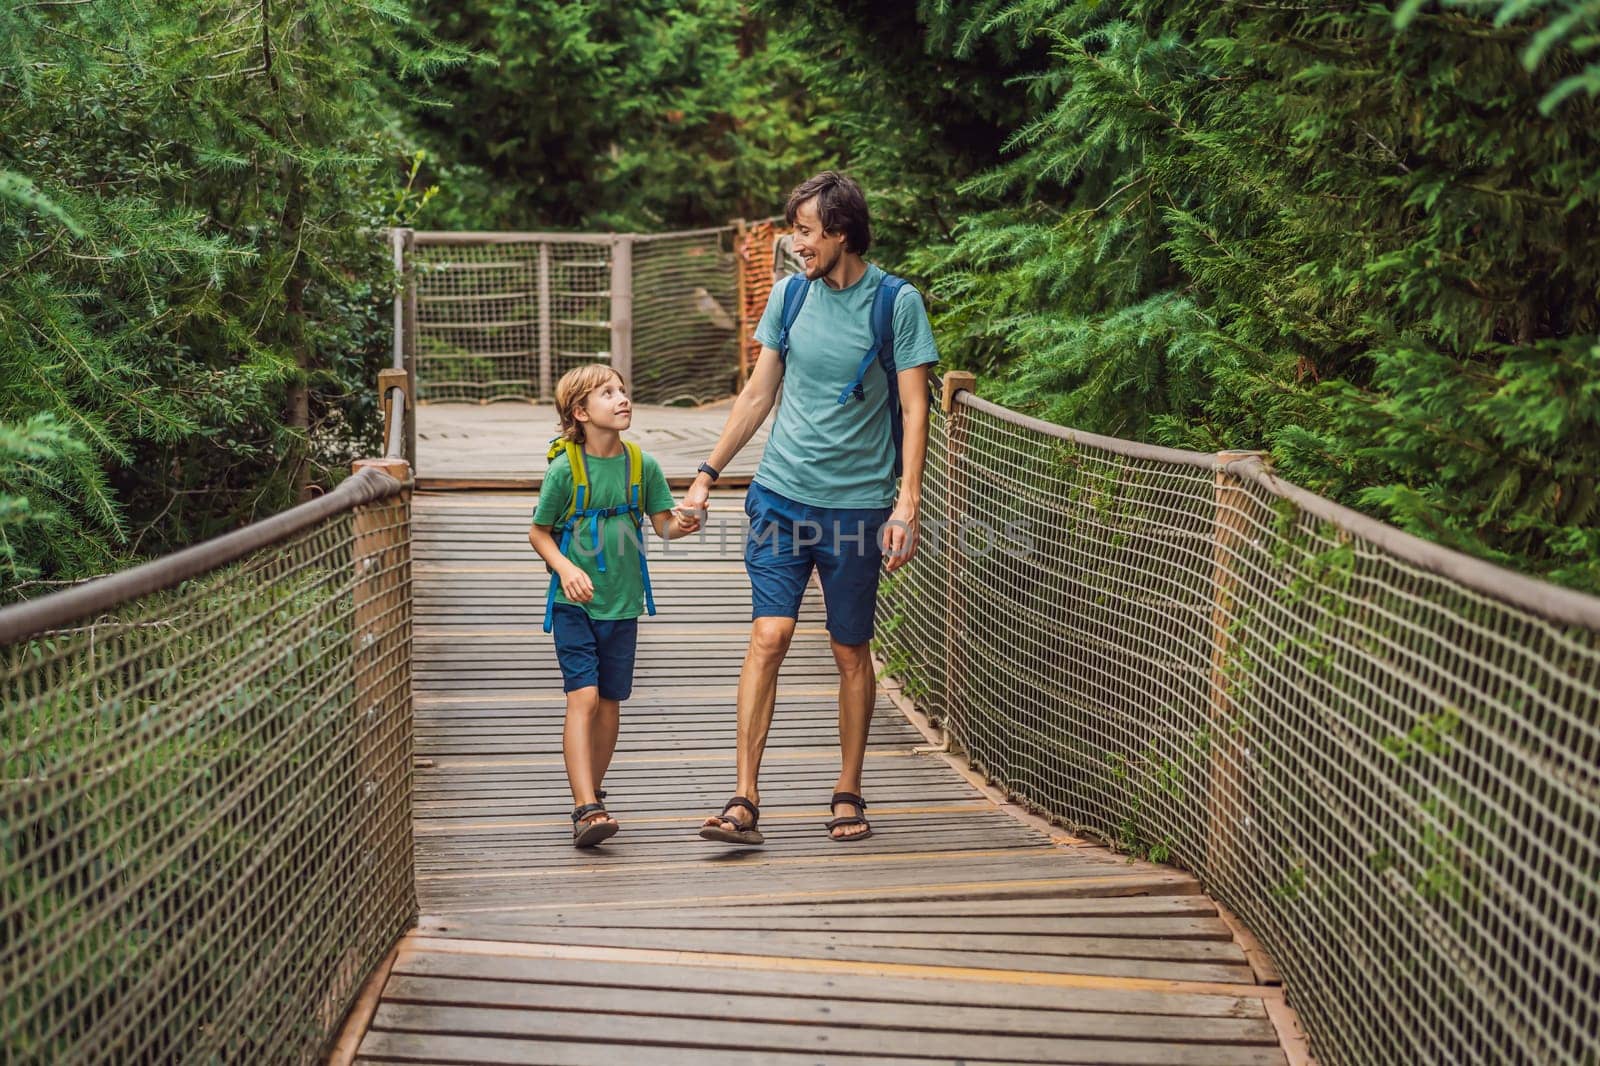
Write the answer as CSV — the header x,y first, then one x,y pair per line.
x,y
816,1007
754,1037
869,987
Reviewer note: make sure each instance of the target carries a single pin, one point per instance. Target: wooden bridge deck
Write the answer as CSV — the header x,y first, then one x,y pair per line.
x,y
960,932
503,445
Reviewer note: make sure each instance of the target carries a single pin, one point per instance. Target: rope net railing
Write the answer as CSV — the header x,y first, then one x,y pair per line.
x,y
501,316
205,824
1392,775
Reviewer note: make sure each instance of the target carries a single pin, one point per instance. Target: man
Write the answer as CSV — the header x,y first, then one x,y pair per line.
x,y
824,496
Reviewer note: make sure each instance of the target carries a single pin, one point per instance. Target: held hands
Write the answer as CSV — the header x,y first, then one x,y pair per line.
x,y
691,514
899,537
575,584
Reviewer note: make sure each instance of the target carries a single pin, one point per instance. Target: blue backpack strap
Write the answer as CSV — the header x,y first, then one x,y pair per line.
x,y
636,509
795,289
882,352
568,524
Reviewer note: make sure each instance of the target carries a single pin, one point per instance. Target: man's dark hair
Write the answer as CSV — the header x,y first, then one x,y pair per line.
x,y
840,205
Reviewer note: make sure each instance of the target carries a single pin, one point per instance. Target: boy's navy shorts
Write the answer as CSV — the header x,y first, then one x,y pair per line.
x,y
788,538
595,651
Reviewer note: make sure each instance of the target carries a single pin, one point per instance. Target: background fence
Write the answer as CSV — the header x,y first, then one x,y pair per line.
x,y
205,792
501,316
1381,754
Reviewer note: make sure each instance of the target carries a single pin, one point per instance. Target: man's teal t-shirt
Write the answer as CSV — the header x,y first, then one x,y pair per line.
x,y
820,451
619,592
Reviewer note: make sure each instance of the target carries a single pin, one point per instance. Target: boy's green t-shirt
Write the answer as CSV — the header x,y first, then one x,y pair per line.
x,y
619,592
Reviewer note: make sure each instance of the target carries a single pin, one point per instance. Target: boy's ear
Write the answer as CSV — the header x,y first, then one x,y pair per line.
x,y
580,413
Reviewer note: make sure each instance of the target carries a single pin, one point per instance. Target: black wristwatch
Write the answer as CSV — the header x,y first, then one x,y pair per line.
x,y
707,468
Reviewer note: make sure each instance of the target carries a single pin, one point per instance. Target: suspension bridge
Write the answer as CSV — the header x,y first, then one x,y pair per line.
x,y
1172,761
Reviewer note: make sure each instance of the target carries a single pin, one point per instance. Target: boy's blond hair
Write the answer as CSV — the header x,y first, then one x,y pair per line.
x,y
574,388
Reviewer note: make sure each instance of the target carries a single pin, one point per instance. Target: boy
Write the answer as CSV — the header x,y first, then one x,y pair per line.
x,y
602,578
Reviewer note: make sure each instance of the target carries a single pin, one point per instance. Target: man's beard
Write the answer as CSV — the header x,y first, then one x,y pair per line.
x,y
822,270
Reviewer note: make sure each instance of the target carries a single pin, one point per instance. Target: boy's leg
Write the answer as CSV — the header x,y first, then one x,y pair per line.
x,y
616,645
576,651
603,741
577,744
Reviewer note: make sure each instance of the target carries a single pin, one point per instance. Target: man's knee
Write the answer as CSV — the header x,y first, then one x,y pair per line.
x,y
852,659
770,637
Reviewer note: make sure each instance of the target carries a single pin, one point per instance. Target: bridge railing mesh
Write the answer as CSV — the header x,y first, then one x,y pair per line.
x,y
501,316
1384,756
205,832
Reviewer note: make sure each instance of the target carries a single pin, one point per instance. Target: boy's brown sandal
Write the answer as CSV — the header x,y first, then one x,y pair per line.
x,y
588,828
740,833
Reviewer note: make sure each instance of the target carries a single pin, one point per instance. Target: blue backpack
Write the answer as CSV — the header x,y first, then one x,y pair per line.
x,y
882,350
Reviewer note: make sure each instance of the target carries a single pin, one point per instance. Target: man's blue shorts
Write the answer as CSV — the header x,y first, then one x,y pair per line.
x,y
787,538
595,651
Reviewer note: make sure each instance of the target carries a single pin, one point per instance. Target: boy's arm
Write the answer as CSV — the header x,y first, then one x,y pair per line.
x,y
669,526
574,582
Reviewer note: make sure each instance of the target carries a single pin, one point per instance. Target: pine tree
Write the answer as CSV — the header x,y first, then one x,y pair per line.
x,y
1362,239
189,283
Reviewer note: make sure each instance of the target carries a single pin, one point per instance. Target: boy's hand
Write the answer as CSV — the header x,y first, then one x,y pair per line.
x,y
575,584
684,523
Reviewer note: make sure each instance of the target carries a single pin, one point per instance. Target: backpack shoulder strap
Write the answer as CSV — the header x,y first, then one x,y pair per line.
x,y
883,318
795,288
635,478
882,349
580,474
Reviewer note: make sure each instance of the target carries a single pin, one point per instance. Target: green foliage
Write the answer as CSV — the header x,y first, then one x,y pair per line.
x,y
642,116
1360,238
187,192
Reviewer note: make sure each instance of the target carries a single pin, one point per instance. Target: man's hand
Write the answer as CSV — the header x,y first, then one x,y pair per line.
x,y
691,513
575,584
899,538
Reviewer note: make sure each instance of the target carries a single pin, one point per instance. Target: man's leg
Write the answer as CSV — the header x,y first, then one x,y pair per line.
x,y
758,696
778,559
858,691
848,566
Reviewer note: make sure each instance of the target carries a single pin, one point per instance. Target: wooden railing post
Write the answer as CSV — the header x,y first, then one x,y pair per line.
x,y
622,307
392,378
741,290
950,541
546,363
1225,804
408,333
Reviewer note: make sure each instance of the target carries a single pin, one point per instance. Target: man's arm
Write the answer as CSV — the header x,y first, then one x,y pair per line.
x,y
750,410
900,532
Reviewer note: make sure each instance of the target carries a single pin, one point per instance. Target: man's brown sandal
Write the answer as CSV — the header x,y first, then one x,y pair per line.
x,y
740,833
588,828
859,818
